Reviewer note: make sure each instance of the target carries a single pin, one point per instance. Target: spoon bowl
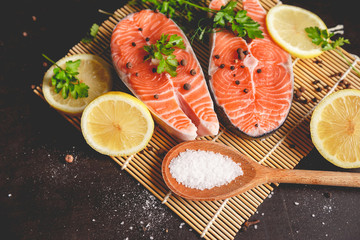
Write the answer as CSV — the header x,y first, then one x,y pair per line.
x,y
247,180
254,174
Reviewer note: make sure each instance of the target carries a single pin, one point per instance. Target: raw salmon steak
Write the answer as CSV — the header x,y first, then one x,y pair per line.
x,y
185,112
251,81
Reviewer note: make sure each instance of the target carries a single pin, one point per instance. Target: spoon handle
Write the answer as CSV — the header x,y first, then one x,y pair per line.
x,y
344,179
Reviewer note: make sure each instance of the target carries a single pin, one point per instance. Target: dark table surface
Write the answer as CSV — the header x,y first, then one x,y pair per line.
x,y
42,197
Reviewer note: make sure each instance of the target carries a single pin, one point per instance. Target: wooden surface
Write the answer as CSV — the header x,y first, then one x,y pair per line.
x,y
43,197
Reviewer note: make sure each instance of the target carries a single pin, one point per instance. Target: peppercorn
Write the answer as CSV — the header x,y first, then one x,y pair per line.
x,y
222,65
327,194
259,70
237,82
156,96
232,67
246,90
147,39
129,65
69,158
217,56
183,62
154,70
297,94
192,72
187,86
134,44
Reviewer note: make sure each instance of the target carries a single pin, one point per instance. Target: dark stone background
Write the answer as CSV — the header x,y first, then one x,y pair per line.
x,y
42,197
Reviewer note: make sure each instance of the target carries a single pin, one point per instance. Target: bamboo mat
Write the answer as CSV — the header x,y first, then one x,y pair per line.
x,y
284,149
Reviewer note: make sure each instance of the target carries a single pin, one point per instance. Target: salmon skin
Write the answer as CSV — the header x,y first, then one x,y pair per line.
x,y
251,81
185,112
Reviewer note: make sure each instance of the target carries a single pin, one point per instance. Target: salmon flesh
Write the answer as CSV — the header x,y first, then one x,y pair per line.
x,y
251,81
185,112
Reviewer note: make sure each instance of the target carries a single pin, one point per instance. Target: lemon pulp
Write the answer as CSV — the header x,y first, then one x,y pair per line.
x,y
335,128
286,25
117,124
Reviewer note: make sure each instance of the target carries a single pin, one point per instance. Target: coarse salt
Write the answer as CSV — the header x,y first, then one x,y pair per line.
x,y
203,169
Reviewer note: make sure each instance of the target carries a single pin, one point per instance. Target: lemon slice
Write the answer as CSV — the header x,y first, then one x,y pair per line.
x,y
117,124
286,25
335,128
93,71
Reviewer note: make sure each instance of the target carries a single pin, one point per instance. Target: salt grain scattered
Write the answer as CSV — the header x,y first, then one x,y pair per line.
x,y
296,203
203,169
9,195
181,225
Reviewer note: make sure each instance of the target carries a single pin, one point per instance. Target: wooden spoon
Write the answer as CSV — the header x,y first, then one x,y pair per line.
x,y
254,174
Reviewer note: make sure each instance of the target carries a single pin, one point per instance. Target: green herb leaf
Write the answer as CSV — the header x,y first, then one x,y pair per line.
x,y
91,34
226,17
72,67
163,50
322,38
239,22
66,81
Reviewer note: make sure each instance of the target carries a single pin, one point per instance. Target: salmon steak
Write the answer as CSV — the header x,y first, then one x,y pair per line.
x,y
251,80
182,105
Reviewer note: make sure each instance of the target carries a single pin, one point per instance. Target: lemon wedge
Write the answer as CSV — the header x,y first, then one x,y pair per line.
x,y
93,71
335,128
117,124
286,25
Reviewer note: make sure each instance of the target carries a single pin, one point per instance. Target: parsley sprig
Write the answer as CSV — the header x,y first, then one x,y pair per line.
x,y
322,37
238,22
163,50
66,81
